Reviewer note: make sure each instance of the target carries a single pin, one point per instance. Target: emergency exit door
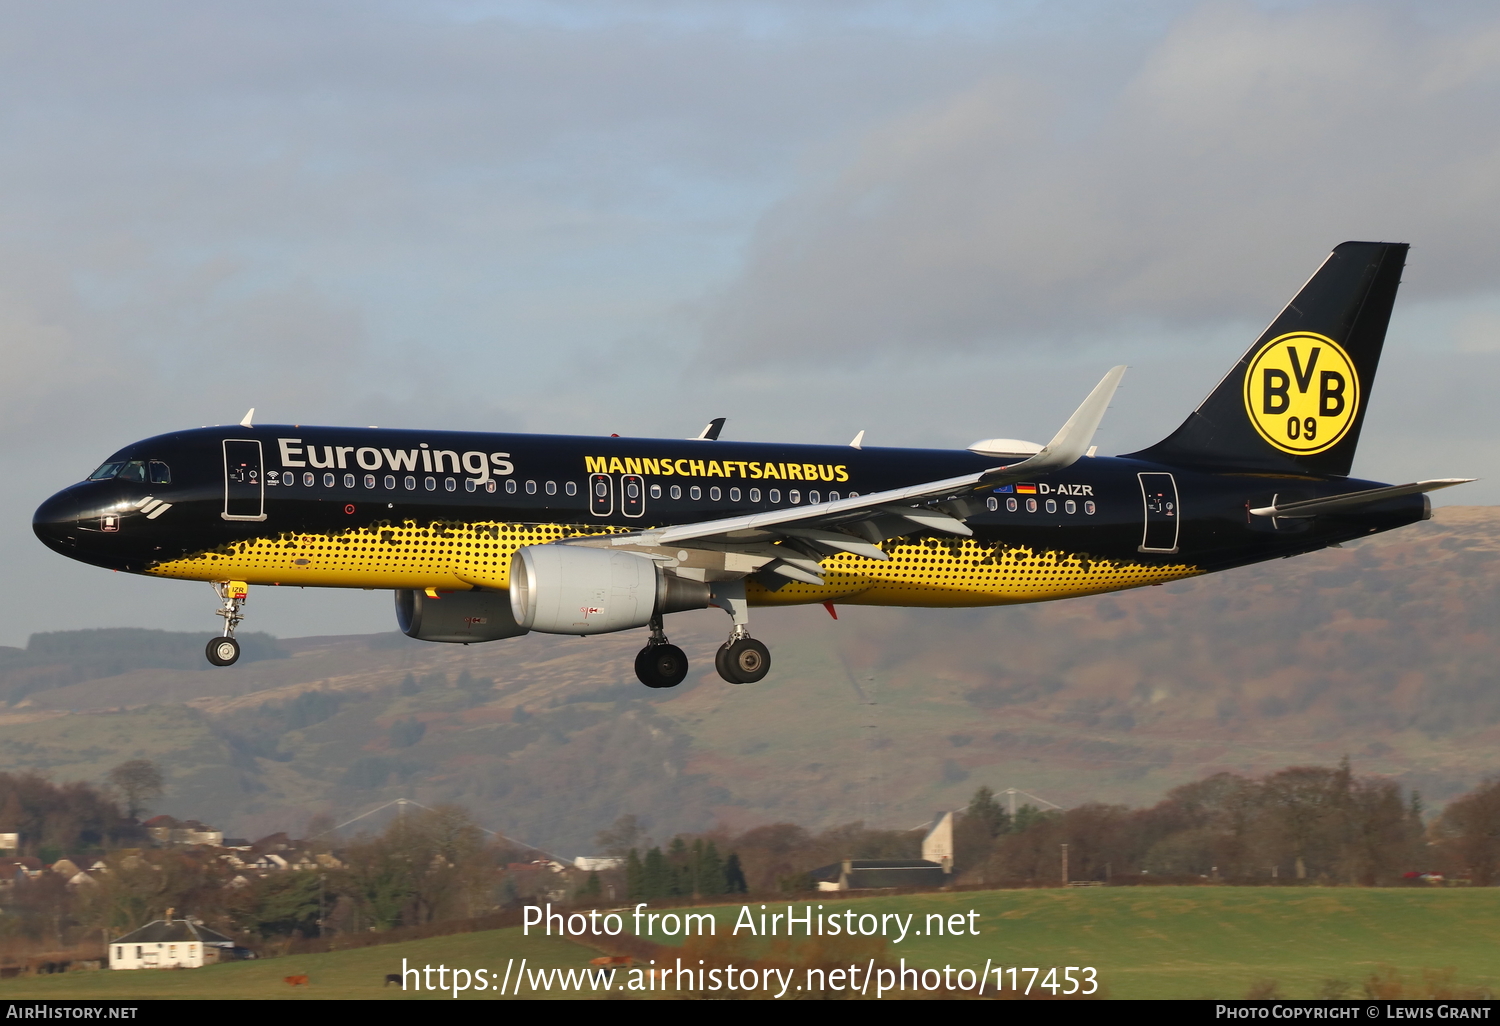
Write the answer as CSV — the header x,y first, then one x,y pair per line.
x,y
1159,494
244,482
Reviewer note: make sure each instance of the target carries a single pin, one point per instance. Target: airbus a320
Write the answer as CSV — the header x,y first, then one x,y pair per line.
x,y
484,536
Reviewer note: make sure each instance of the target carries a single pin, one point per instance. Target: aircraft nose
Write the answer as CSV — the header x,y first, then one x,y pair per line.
x,y
55,521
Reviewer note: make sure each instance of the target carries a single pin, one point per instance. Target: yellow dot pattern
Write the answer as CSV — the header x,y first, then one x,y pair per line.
x,y
406,555
963,572
930,572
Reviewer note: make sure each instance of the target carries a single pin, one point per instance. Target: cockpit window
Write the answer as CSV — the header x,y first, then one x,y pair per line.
x,y
134,470
107,471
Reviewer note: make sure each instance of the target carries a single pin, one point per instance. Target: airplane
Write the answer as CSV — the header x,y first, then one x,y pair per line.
x,y
484,536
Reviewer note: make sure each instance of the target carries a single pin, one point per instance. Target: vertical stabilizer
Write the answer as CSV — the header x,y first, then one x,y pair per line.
x,y
1297,399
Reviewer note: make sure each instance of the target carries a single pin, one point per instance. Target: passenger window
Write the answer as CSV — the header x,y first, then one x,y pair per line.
x,y
431,484
106,472
775,496
695,492
450,485
308,479
793,496
572,489
755,495
734,495
348,480
530,487
510,486
410,482
656,491
714,494
470,484
390,482
369,480
676,491
489,486
833,496
813,498
327,480
551,487
160,473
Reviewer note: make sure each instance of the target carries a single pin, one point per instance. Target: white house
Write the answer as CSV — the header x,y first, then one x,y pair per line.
x,y
169,944
937,846
598,863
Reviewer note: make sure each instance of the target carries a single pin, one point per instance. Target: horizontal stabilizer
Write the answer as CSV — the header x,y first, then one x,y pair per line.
x,y
1353,500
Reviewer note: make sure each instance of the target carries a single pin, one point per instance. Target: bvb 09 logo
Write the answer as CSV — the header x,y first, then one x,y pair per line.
x,y
1301,393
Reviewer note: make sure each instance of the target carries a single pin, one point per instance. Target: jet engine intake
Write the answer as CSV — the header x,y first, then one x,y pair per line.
x,y
458,617
576,589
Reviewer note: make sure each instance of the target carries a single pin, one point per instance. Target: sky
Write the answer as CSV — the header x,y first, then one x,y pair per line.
x,y
933,221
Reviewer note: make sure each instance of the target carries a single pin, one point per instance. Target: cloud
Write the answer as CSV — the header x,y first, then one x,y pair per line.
x,y
1047,203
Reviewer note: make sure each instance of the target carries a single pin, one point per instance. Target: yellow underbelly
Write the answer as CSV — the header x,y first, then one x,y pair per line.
x,y
920,573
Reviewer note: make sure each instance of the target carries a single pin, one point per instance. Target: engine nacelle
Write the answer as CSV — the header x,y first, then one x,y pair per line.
x,y
460,617
577,589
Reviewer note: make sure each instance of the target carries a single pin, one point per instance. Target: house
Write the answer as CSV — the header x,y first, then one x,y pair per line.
x,y
879,874
598,863
14,870
937,846
166,830
169,943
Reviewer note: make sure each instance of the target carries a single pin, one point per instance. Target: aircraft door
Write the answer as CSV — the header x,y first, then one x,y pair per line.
x,y
632,495
244,483
1159,493
601,495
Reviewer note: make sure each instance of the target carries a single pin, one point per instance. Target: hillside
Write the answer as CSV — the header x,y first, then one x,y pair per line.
x,y
1382,649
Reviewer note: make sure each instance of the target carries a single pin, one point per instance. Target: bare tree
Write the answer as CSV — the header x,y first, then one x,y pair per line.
x,y
139,780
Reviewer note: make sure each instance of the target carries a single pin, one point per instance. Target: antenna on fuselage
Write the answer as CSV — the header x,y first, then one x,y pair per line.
x,y
249,417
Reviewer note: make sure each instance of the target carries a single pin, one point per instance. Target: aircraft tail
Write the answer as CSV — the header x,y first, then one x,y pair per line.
x,y
1296,400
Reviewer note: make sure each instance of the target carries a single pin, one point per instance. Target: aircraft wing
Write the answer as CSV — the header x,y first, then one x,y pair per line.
x,y
793,540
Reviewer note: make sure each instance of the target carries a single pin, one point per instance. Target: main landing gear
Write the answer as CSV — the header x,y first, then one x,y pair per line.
x,y
225,651
740,660
660,664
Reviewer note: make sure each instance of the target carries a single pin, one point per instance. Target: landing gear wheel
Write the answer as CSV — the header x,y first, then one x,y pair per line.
x,y
661,666
223,651
743,661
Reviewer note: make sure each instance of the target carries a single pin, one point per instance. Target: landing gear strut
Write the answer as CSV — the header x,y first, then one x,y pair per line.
x,y
224,650
660,664
741,659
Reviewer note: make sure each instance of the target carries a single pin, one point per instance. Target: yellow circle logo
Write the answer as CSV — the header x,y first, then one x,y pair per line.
x,y
1301,393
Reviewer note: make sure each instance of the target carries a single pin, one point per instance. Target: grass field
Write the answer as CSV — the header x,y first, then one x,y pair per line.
x,y
1157,942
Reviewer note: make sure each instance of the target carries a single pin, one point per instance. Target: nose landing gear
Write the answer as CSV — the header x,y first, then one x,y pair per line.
x,y
660,664
224,650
